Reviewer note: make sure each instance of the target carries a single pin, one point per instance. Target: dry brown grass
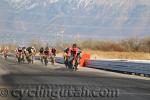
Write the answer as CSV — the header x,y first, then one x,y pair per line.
x,y
125,45
118,55
95,54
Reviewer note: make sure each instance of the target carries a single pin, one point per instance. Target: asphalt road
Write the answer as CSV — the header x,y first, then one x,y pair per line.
x,y
54,82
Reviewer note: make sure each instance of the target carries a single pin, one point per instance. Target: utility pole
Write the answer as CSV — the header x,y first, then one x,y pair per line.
x,y
77,37
62,32
61,36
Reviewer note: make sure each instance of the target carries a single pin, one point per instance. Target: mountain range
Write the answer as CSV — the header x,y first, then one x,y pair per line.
x,y
49,20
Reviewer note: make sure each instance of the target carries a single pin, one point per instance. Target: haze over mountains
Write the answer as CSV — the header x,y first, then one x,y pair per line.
x,y
48,19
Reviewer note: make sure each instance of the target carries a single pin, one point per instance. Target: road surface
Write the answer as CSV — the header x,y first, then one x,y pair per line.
x,y
17,82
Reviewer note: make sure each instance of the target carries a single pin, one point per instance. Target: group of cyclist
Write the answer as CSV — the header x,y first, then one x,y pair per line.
x,y
25,53
28,54
46,54
72,55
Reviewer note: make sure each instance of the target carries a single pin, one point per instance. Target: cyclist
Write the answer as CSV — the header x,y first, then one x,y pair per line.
x,y
5,52
31,53
24,53
53,51
47,51
73,54
46,55
41,51
53,55
19,53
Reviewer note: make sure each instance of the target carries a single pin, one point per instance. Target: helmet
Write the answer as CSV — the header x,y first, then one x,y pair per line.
x,y
47,48
33,47
74,45
23,48
19,48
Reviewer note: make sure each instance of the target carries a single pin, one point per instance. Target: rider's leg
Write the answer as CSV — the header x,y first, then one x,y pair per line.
x,y
32,59
77,61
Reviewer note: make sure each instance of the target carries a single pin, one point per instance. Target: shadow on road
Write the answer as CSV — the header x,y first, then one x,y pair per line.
x,y
32,76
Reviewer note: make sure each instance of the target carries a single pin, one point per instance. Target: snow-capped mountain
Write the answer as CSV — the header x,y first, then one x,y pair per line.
x,y
89,18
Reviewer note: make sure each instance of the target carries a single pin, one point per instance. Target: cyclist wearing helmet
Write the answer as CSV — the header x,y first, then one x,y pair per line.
x,y
53,51
74,51
19,50
47,51
41,51
19,54
31,53
5,52
72,54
